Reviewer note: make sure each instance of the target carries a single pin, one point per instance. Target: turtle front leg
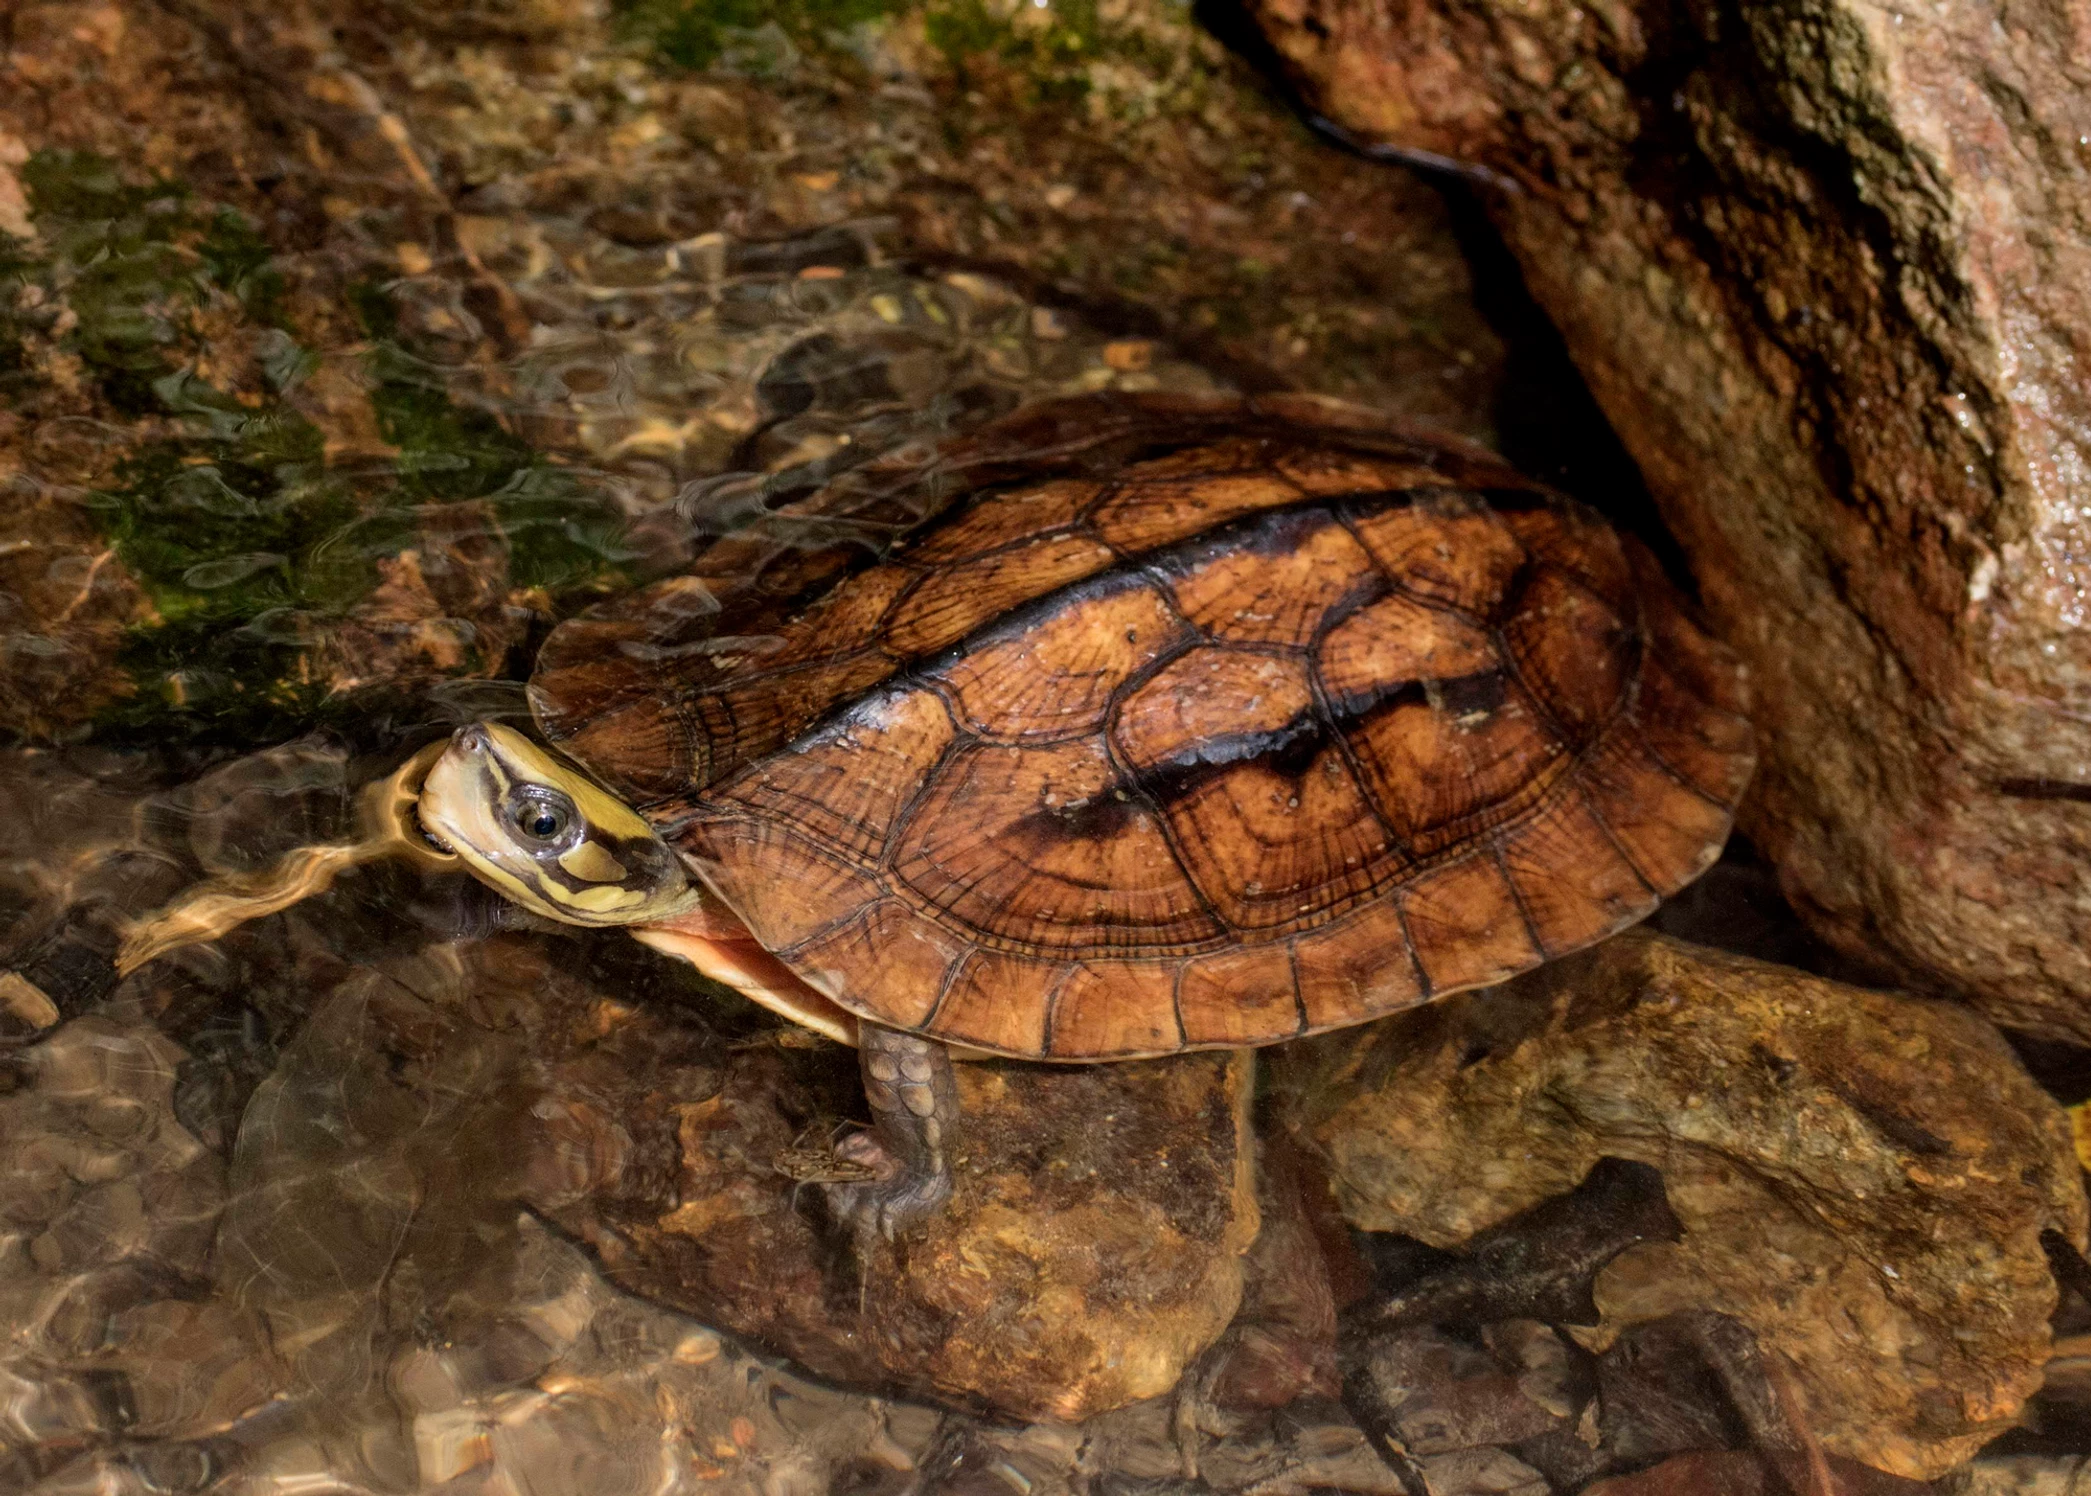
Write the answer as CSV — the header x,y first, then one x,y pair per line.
x,y
914,1122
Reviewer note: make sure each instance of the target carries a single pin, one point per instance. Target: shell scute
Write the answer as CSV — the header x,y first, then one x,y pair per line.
x,y
992,1003
753,718
1271,846
1581,544
1466,925
1240,997
1042,848
1570,878
1670,831
1707,747
786,888
1145,514
1456,758
851,620
846,784
889,961
1272,583
1338,470
1259,801
1006,518
952,601
1358,968
1441,544
1572,651
1396,643
1211,707
1110,1009
1056,675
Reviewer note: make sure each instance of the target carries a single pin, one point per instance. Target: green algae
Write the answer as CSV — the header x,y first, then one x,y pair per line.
x,y
1049,47
222,504
117,252
560,537
1052,53
694,34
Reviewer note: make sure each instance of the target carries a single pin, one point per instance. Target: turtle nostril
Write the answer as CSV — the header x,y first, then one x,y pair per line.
x,y
473,738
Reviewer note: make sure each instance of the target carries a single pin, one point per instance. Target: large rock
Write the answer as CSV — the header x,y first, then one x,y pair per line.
x,y
1822,264
1863,1179
1091,1252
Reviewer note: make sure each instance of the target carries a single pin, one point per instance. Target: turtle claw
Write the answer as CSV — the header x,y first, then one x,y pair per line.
x,y
899,1172
893,1198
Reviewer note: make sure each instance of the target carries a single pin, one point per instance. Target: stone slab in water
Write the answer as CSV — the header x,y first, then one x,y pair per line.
x,y
1091,1251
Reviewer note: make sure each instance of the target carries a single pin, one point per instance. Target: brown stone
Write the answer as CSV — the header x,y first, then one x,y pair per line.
x,y
1282,1344
65,601
1091,1251
1863,1178
1822,266
1741,1473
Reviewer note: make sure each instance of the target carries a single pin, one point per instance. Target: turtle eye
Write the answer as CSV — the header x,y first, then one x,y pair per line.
x,y
543,817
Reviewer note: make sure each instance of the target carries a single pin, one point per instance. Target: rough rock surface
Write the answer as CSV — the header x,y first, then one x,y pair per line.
x,y
1863,1178
1091,1252
1823,264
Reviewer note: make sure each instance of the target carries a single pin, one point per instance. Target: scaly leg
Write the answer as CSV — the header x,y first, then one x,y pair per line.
x,y
914,1119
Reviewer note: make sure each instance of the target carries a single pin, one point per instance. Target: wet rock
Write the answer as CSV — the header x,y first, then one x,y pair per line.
x,y
1479,1472
2020,1475
443,606
361,1300
65,601
1659,1397
108,1209
1313,1446
1435,1394
553,1382
1862,1178
1818,264
1739,1473
1092,1249
1542,1263
421,1329
1281,1345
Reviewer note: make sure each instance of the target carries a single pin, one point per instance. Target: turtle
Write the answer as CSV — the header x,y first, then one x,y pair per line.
x,y
1166,723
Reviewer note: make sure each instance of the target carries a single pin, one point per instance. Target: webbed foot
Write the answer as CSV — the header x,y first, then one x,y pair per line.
x,y
914,1112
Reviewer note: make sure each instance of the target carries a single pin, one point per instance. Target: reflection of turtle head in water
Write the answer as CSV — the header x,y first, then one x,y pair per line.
x,y
546,835
1195,724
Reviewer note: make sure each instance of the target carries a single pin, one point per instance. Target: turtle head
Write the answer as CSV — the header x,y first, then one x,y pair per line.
x,y
537,829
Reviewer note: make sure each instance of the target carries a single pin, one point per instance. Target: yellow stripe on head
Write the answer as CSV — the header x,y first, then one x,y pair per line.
x,y
541,832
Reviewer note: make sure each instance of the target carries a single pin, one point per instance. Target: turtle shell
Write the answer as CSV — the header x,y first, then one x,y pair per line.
x,y
1175,724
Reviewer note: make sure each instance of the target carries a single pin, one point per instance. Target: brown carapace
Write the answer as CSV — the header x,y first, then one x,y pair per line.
x,y
1177,724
